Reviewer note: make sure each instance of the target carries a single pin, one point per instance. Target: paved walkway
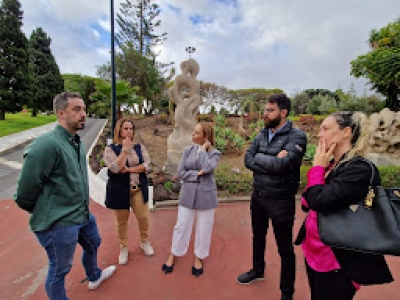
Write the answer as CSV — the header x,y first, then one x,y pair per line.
x,y
23,268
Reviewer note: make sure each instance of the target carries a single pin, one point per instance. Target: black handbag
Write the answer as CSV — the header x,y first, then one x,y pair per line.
x,y
372,226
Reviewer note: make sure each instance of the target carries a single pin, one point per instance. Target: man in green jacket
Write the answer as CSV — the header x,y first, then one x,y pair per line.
x,y
53,188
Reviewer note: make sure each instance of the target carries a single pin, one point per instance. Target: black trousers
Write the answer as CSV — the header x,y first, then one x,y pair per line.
x,y
281,213
334,285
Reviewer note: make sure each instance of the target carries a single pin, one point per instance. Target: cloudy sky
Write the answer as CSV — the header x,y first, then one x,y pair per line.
x,y
288,44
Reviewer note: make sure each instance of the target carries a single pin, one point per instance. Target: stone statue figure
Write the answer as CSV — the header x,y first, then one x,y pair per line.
x,y
384,131
185,93
384,142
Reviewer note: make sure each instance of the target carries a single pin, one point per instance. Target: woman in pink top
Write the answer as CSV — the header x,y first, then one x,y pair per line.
x,y
337,180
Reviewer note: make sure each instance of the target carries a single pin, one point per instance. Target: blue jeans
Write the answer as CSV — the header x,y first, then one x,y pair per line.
x,y
60,244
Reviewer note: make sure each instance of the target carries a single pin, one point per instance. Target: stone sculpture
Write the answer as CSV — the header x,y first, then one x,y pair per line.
x,y
384,139
384,131
185,93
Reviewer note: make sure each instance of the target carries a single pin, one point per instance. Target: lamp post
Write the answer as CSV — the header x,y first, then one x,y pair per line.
x,y
190,50
113,80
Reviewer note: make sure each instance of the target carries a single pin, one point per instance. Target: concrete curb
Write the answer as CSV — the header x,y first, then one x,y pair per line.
x,y
11,141
97,187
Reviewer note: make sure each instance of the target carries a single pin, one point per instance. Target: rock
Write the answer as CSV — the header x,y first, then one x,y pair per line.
x,y
236,170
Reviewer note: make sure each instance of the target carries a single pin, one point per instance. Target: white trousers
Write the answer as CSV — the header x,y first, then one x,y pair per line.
x,y
183,231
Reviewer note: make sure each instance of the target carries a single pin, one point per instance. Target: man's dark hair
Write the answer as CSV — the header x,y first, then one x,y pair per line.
x,y
282,100
60,101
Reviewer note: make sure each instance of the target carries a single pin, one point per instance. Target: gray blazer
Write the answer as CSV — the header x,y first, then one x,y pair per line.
x,y
198,192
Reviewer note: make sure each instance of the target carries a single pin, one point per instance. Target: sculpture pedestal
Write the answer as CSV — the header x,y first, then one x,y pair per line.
x,y
173,160
384,159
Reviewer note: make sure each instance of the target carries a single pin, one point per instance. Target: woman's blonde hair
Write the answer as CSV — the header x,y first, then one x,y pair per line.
x,y
358,123
208,132
118,127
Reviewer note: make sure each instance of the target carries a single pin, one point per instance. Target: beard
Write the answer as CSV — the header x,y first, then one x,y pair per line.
x,y
272,123
77,125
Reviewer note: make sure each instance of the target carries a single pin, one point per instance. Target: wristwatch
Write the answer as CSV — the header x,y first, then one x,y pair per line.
x,y
125,150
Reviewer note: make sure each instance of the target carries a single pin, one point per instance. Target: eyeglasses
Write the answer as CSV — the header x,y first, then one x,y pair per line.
x,y
269,110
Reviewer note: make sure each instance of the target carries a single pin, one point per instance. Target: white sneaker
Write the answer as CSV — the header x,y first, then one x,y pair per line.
x,y
106,273
123,256
147,248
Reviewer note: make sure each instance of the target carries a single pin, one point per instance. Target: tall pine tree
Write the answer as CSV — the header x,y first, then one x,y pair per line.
x,y
138,22
46,80
14,82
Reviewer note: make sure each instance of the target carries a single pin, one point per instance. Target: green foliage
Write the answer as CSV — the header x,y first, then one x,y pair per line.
x,y
14,78
213,94
221,120
138,36
213,110
138,24
46,80
310,152
328,105
321,92
253,129
390,176
225,137
300,102
257,96
220,144
321,104
126,97
314,104
381,66
84,85
23,121
168,186
231,182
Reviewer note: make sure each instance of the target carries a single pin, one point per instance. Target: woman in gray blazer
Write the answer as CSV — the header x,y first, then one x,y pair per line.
x,y
197,199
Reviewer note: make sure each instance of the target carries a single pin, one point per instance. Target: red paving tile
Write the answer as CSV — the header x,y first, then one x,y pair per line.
x,y
23,262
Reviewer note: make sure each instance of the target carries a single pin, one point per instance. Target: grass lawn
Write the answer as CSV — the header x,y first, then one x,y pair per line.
x,y
23,121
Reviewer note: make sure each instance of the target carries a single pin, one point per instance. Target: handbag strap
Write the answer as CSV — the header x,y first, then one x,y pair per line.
x,y
369,199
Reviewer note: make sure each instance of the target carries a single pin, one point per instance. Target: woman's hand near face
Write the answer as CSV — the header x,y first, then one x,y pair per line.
x,y
127,143
206,145
323,155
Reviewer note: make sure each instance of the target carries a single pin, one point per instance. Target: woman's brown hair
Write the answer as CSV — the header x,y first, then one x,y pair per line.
x,y
208,132
117,131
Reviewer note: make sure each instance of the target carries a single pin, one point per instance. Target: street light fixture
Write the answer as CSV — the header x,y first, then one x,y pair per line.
x,y
190,50
113,79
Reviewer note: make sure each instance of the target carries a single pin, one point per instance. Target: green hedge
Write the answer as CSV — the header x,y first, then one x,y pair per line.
x,y
234,184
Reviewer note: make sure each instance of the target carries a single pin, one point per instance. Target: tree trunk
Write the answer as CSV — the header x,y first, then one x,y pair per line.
x,y
2,115
119,112
34,112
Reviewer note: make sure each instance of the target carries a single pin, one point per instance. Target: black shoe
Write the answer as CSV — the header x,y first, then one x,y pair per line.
x,y
250,277
197,272
167,269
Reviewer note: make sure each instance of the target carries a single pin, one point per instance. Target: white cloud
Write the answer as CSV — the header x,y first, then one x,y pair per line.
x,y
288,44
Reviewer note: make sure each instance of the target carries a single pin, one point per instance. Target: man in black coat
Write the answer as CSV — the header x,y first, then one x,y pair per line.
x,y
275,158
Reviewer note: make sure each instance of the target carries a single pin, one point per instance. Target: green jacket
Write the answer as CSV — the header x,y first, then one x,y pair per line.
x,y
53,183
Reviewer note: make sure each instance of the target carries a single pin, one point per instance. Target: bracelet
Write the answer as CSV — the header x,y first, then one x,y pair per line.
x,y
125,150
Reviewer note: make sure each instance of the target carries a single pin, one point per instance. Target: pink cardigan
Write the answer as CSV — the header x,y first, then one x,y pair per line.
x,y
319,256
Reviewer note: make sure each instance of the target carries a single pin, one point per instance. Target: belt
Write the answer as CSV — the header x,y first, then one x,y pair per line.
x,y
193,181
